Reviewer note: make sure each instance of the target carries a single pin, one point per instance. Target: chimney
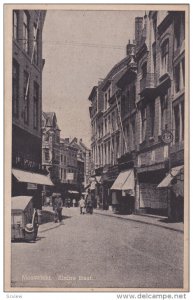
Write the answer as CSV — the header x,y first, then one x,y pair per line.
x,y
138,29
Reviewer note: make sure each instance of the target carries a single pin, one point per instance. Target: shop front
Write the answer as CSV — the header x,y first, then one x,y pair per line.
x,y
29,184
123,192
174,184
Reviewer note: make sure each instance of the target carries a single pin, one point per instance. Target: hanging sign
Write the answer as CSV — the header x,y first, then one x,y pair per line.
x,y
167,136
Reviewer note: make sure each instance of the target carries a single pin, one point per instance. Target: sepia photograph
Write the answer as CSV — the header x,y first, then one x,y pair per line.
x,y
96,147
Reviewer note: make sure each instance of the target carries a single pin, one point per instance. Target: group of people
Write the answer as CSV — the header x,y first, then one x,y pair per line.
x,y
86,206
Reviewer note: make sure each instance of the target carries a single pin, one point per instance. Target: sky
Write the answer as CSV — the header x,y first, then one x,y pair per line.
x,y
80,48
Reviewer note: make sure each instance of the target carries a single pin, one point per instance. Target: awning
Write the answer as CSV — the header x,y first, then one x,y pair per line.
x,y
29,177
73,192
166,182
125,181
20,202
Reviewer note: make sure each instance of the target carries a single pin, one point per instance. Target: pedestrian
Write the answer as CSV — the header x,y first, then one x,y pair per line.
x,y
74,202
69,202
57,206
82,205
89,203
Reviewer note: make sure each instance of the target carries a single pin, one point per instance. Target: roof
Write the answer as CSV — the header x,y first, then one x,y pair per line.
x,y
51,120
20,202
93,92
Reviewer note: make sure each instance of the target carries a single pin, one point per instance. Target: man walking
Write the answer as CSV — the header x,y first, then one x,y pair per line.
x,y
82,205
58,208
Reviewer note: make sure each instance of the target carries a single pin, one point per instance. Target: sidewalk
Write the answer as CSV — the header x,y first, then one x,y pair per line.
x,y
154,220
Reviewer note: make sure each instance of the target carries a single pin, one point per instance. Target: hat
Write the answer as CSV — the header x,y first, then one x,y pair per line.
x,y
29,228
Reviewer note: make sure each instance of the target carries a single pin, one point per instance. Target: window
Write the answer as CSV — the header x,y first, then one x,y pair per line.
x,y
133,96
106,101
182,118
109,93
26,32
177,78
123,105
179,26
35,105
177,123
47,154
144,70
118,146
164,106
26,97
164,57
15,25
35,45
183,72
64,174
15,89
143,123
133,133
113,120
152,117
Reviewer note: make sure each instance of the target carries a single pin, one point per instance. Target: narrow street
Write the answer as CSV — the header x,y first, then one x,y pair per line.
x,y
94,251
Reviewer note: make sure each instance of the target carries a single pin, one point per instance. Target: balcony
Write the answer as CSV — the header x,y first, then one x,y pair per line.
x,y
147,83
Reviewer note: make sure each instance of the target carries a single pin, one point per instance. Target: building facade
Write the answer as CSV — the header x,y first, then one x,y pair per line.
x,y
140,105
51,146
26,97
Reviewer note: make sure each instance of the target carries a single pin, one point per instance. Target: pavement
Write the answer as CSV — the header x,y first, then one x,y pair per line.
x,y
154,220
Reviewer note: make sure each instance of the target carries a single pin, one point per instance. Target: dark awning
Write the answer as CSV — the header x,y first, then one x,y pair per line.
x,y
166,182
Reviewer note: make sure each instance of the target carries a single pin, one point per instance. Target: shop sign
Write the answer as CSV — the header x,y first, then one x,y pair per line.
x,y
70,176
32,186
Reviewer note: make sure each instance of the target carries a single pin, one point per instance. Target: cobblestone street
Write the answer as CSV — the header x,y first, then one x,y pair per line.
x,y
95,251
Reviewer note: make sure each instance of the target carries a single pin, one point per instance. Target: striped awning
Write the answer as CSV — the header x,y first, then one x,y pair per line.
x,y
125,181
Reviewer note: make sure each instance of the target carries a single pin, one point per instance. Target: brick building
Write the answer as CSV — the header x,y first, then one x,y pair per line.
x,y
27,102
